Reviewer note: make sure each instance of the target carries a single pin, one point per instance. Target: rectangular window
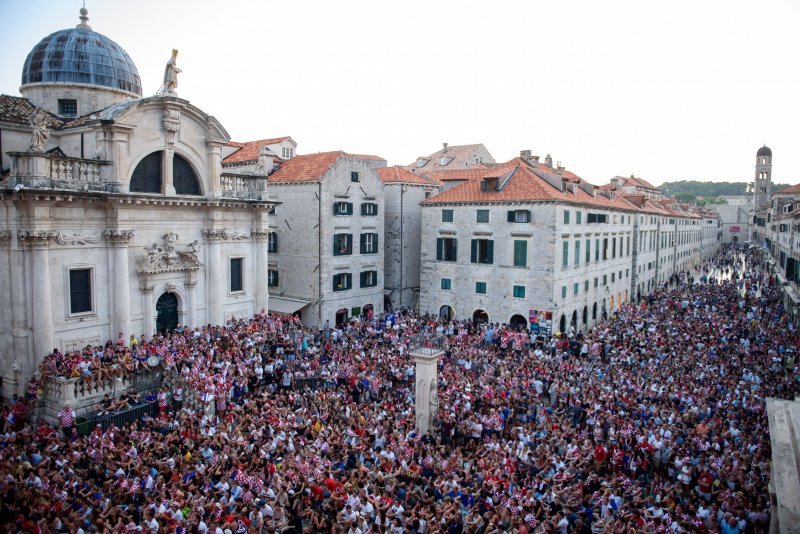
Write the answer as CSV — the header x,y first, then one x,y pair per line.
x,y
67,107
482,251
519,292
482,216
614,247
520,253
369,278
342,244
596,218
578,217
586,286
272,278
605,248
355,176
287,152
605,279
566,217
80,290
342,208
447,215
369,243
446,284
272,243
577,252
588,250
369,209
446,249
613,276
519,216
342,281
237,283
563,292
576,288
480,287
595,282
565,254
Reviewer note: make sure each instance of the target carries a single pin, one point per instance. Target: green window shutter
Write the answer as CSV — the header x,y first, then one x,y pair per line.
x,y
520,253
363,243
439,248
349,279
510,216
473,253
363,209
363,277
375,243
335,285
490,251
455,249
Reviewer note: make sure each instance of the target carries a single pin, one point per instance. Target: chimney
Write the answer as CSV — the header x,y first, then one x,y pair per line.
x,y
548,160
444,150
525,154
535,158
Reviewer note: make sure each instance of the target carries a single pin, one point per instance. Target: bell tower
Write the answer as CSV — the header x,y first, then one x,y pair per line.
x,y
762,188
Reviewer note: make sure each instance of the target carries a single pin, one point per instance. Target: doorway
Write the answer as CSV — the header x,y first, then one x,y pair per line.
x,y
167,310
341,316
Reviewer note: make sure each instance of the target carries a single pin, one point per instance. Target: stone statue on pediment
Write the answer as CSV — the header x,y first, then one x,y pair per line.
x,y
171,72
38,120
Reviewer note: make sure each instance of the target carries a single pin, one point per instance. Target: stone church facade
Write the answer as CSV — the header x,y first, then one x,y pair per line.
x,y
116,215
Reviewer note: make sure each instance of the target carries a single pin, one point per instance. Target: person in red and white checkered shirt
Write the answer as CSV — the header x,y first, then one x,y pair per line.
x,y
66,418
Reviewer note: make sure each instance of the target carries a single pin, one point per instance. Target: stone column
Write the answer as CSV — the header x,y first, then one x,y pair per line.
x,y
38,242
149,318
260,236
121,314
426,352
217,278
191,320
166,165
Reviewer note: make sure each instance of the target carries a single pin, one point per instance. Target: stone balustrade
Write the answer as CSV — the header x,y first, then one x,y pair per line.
x,y
243,187
56,171
74,170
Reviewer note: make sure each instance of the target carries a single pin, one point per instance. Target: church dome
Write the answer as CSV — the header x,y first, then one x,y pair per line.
x,y
764,151
81,56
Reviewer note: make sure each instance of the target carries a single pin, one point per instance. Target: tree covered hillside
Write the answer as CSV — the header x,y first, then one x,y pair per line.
x,y
707,192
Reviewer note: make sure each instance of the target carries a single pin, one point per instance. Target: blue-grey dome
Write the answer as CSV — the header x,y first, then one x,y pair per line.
x,y
80,55
764,151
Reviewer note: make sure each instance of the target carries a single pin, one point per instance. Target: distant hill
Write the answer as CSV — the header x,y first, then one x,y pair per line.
x,y
707,192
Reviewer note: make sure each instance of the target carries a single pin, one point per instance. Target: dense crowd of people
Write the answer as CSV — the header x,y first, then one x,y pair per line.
x,y
655,421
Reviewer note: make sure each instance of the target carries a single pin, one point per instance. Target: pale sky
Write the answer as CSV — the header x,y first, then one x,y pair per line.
x,y
670,90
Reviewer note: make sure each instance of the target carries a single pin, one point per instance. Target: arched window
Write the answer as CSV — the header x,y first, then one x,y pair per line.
x,y
147,175
183,177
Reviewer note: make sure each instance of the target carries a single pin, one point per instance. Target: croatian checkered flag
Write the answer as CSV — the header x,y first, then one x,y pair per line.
x,y
375,385
161,350
247,497
304,469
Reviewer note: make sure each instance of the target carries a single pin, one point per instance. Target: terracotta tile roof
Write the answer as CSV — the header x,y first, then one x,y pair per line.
x,y
398,175
248,150
312,167
636,182
461,154
17,110
478,172
791,190
525,185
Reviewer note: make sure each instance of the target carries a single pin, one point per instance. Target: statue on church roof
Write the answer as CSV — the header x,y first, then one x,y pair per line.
x,y
40,134
171,72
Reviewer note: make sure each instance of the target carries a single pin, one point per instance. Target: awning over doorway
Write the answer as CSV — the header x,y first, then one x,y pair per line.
x,y
285,305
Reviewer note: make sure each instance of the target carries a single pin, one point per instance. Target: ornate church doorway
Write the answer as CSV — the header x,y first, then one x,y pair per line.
x,y
167,310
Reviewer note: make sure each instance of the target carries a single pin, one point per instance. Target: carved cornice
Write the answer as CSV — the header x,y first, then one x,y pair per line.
x,y
119,237
223,234
259,233
5,238
76,239
36,239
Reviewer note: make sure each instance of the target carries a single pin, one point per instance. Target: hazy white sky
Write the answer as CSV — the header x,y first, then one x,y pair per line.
x,y
670,90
